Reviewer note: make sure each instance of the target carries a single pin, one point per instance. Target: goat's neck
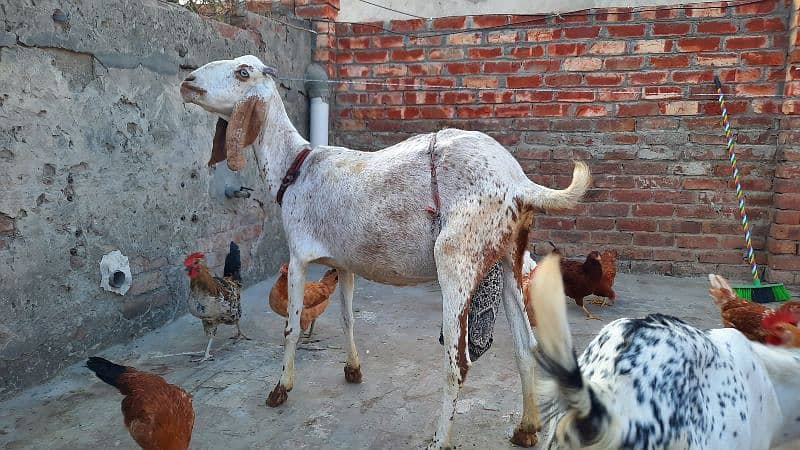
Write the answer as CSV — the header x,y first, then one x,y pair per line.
x,y
279,144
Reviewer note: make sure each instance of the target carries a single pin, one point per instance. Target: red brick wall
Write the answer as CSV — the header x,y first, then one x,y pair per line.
x,y
784,236
625,89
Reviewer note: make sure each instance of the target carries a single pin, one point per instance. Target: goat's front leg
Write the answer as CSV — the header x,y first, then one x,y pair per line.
x,y
524,343
297,282
352,368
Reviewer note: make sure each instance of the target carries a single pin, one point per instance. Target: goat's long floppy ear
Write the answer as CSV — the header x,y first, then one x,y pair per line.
x,y
245,125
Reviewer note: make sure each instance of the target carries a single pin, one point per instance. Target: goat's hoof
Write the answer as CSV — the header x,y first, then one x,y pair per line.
x,y
277,396
524,438
352,374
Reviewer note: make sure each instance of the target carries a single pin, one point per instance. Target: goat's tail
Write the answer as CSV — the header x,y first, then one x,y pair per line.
x,y
544,197
584,419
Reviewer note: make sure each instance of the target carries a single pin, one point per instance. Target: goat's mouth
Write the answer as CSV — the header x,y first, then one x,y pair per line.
x,y
190,91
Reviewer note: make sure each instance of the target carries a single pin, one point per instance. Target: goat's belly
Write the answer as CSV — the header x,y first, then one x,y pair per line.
x,y
394,273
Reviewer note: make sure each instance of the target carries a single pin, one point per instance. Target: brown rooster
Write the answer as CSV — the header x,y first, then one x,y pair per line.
x,y
604,289
315,299
158,415
744,315
581,278
783,325
212,299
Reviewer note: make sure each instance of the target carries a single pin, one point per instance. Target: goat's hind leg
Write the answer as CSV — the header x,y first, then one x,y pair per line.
x,y
297,282
524,343
352,368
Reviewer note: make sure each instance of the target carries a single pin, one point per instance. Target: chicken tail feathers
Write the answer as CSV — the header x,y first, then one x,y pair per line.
x,y
233,263
585,418
105,370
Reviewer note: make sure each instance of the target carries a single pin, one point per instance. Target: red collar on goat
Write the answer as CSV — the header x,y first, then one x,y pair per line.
x,y
291,174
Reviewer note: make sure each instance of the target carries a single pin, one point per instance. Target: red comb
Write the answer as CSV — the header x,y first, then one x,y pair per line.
x,y
779,316
190,259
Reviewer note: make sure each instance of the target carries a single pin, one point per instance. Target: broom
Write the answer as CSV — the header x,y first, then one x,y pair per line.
x,y
758,292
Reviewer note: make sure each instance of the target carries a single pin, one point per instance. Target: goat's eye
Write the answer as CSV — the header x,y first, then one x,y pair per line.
x,y
243,73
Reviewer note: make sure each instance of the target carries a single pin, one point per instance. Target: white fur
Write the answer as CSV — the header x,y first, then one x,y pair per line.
x,y
660,384
365,213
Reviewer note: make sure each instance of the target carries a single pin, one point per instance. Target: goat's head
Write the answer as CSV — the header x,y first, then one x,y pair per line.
x,y
235,89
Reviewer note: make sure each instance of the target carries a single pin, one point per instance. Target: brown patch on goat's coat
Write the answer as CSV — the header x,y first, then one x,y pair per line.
x,y
461,349
245,125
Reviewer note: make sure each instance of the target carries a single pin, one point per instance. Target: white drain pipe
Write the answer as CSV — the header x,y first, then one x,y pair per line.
x,y
318,91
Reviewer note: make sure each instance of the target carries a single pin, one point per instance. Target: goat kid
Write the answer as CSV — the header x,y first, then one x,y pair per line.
x,y
658,383
368,213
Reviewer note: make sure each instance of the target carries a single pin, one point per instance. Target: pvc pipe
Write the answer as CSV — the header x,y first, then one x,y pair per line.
x,y
319,121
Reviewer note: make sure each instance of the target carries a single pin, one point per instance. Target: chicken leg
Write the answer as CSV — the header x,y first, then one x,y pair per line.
x,y
239,335
207,355
600,301
589,316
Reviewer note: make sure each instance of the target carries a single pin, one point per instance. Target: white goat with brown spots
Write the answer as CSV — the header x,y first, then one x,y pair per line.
x,y
369,214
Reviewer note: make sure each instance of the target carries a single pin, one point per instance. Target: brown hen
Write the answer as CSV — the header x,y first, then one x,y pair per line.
x,y
744,315
581,278
158,415
608,260
315,299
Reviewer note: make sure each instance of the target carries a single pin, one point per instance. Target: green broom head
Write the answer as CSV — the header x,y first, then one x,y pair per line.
x,y
764,293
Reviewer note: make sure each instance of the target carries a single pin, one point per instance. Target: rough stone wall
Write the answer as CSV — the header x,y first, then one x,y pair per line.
x,y
97,153
628,90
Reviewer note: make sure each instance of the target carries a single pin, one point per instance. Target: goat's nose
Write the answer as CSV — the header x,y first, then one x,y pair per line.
x,y
189,78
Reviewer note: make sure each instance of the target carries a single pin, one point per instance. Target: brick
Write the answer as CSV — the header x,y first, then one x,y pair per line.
x,y
527,52
594,223
781,247
746,42
459,97
631,195
502,37
615,15
449,23
606,79
464,39
653,77
367,27
717,59
679,226
653,210
421,98
609,210
354,71
423,69
764,25
784,262
541,65
534,96
459,68
653,240
575,96
625,30
716,27
470,112
353,42
426,41
524,81
653,46
485,52
668,28
693,76
608,47
709,9
512,110
389,70
372,56
569,124
543,34
439,82
662,92
566,49
445,54
661,62
436,112
489,20
387,41
764,58
693,44
497,96
501,67
550,110
611,237
591,111
659,13
556,223
316,11
624,63
787,217
480,82
696,242
680,108
407,25
755,90
582,64
787,201
563,79
581,32
416,54
625,224
763,7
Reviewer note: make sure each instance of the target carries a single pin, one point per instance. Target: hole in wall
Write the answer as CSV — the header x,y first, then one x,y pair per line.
x,y
117,279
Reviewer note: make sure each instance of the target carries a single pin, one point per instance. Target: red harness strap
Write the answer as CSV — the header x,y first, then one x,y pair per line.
x,y
291,174
434,211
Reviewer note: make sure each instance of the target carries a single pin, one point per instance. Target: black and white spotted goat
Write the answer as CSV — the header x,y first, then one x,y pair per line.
x,y
658,383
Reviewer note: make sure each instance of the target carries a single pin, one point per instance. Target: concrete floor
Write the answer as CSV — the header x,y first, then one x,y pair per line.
x,y
396,406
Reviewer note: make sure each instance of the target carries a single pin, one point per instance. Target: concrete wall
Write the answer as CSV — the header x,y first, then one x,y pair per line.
x,y
97,153
631,92
358,11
